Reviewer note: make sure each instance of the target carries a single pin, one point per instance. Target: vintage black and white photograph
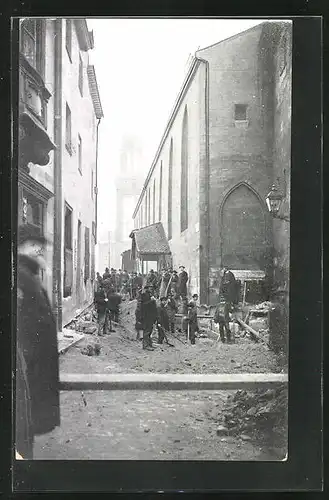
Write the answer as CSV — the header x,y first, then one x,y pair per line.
x,y
153,239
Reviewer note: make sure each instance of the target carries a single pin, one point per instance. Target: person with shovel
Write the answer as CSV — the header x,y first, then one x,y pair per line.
x,y
163,322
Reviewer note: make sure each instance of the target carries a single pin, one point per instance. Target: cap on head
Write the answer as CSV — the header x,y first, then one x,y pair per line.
x,y
195,296
28,232
162,299
181,267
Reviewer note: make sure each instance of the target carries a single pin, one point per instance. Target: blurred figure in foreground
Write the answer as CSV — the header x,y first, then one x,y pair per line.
x,y
37,366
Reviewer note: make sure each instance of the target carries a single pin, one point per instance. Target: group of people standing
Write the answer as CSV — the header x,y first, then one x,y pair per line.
x,y
123,282
167,282
157,306
107,302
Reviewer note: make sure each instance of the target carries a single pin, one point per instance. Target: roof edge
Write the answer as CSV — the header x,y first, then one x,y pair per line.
x,y
94,91
191,71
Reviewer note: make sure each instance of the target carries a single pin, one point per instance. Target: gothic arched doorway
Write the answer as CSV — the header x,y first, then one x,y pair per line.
x,y
244,242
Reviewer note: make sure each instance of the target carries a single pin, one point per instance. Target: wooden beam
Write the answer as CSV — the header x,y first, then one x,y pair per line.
x,y
170,382
201,316
244,325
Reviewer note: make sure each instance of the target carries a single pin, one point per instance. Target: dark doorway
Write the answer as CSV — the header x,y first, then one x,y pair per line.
x,y
244,243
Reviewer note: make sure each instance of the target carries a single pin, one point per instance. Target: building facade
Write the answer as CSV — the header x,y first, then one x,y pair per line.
x,y
226,142
59,114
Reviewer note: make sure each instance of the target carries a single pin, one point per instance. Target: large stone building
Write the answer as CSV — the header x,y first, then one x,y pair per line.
x,y
59,114
226,142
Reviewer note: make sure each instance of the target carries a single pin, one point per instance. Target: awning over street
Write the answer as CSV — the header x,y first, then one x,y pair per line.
x,y
150,240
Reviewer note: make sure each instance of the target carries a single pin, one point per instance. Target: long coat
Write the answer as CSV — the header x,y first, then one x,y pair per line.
x,y
228,287
182,283
163,318
148,310
38,366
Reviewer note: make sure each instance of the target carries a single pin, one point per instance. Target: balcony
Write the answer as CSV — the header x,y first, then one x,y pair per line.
x,y
35,143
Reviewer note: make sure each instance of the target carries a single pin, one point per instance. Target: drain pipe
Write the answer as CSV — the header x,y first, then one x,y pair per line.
x,y
207,178
96,182
57,250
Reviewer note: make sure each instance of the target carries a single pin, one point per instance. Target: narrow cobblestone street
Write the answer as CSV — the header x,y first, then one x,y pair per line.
x,y
152,425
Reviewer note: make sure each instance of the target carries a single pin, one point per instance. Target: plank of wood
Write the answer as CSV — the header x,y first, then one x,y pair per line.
x,y
201,316
248,328
166,381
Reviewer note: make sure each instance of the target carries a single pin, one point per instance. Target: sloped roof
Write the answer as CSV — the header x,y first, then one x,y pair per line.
x,y
151,239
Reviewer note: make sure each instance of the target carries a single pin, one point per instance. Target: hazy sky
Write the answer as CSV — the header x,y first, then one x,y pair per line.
x,y
140,66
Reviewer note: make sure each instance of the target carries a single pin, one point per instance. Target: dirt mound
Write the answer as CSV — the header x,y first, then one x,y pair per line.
x,y
261,414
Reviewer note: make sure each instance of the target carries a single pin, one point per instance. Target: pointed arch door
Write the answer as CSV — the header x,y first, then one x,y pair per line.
x,y
244,239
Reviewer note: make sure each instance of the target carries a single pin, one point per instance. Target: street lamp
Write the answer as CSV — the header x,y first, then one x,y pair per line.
x,y
273,202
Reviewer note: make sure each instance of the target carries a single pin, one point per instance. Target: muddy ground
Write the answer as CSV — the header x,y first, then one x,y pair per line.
x,y
154,425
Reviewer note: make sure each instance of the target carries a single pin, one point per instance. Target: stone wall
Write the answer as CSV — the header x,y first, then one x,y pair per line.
x,y
239,151
185,246
77,186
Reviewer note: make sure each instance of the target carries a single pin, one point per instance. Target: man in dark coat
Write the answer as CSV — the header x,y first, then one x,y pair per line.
x,y
107,274
101,305
162,320
138,316
174,283
172,310
228,289
228,286
151,280
149,315
139,281
223,322
37,373
192,315
182,282
114,304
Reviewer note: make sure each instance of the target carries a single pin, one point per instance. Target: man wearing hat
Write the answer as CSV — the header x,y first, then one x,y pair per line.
x,y
37,370
149,315
182,282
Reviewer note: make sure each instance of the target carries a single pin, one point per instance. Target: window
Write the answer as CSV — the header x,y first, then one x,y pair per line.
x,y
154,201
32,43
170,191
68,38
80,76
68,254
33,211
184,175
87,255
160,193
79,154
145,208
92,184
240,112
68,130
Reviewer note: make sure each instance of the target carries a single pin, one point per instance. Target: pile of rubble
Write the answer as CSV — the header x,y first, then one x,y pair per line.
x,y
258,412
85,323
91,349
